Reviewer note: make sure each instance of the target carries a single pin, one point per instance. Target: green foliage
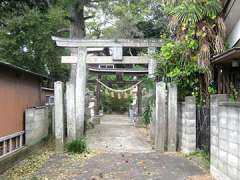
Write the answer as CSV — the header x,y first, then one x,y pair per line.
x,y
113,104
77,146
148,83
234,93
147,114
212,89
143,18
26,42
175,67
190,12
197,33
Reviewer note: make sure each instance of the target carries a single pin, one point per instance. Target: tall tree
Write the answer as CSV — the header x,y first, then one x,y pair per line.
x,y
199,27
25,37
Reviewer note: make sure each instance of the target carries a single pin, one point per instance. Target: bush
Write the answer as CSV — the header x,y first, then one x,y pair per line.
x,y
77,146
147,114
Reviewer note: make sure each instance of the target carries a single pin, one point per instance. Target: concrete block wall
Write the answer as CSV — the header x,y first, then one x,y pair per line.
x,y
225,138
187,125
36,125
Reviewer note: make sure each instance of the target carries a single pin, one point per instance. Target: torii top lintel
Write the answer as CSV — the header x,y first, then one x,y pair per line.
x,y
96,43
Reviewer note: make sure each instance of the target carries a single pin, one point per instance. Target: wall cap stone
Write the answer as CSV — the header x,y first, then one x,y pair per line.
x,y
232,104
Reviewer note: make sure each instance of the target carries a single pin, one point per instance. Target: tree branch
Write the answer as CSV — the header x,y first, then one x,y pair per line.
x,y
88,17
63,30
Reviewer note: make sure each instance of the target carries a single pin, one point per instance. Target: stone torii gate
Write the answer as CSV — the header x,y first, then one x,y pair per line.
x,y
75,91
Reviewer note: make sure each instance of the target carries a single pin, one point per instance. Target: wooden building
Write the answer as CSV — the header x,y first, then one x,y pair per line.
x,y
227,65
19,89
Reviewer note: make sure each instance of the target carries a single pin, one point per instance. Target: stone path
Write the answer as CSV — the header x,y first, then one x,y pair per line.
x,y
116,133
125,154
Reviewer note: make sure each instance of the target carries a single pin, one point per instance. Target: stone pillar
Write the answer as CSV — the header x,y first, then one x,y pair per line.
x,y
135,105
172,117
98,96
70,107
152,64
161,121
189,125
59,116
81,74
153,123
139,99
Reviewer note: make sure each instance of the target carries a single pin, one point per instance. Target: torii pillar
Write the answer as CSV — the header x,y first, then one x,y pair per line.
x,y
81,74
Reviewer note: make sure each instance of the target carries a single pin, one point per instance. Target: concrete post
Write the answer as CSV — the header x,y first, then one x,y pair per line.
x,y
59,117
172,117
81,74
189,125
152,64
71,116
161,121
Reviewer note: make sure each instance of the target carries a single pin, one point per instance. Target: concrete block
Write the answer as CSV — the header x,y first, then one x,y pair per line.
x,y
218,174
223,145
222,166
233,173
223,156
36,125
232,160
214,130
223,121
232,124
190,123
233,136
214,140
233,148
191,131
223,134
214,161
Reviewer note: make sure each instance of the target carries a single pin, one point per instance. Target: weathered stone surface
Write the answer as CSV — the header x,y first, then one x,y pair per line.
x,y
36,125
172,117
59,116
80,91
71,111
161,121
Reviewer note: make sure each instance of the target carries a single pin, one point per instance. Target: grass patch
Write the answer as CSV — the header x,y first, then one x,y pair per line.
x,y
202,157
77,146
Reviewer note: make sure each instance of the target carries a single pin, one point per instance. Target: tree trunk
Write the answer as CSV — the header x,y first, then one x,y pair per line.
x,y
77,31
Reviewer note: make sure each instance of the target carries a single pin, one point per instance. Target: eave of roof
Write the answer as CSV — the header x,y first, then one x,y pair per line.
x,y
227,56
17,68
225,5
